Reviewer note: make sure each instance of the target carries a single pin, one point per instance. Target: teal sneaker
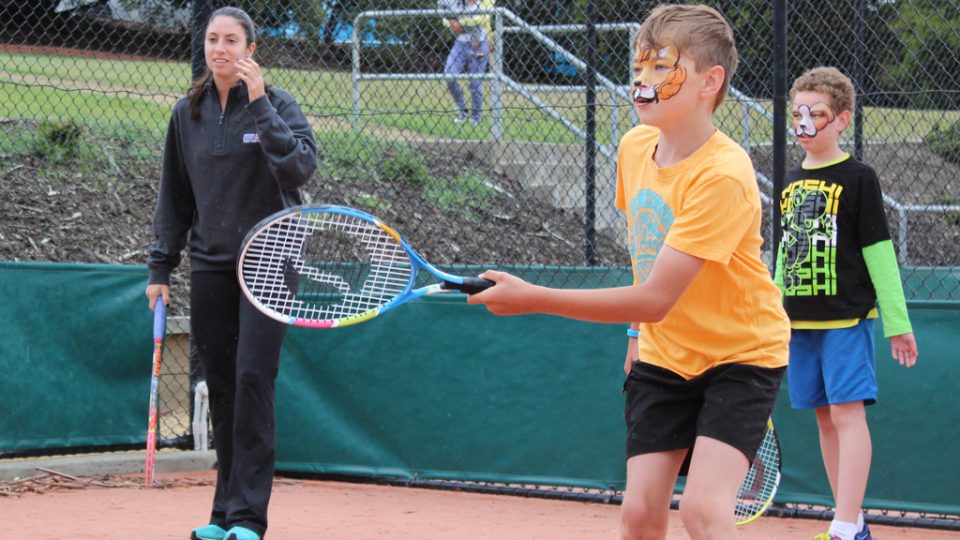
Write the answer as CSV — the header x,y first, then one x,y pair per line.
x,y
241,533
208,532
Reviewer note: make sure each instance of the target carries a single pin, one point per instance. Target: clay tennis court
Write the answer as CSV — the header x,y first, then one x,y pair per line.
x,y
120,508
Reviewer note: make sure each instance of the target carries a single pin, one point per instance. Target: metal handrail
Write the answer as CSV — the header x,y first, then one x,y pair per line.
x,y
616,91
497,75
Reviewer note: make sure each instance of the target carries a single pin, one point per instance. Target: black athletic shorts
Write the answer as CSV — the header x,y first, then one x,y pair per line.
x,y
730,403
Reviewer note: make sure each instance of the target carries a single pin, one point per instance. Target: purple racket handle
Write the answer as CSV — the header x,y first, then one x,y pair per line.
x,y
159,318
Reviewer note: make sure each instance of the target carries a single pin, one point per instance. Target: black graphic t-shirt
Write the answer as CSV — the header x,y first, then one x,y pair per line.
x,y
829,214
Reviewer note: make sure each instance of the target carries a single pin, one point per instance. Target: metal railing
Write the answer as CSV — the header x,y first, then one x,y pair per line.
x,y
496,75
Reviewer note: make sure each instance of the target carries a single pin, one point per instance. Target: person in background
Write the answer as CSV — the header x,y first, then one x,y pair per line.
x,y
835,262
470,54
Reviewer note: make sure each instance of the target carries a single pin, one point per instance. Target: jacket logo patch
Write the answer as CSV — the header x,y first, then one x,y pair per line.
x,y
251,138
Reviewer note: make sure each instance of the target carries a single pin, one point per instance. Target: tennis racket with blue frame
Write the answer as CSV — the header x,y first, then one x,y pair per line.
x,y
331,266
153,414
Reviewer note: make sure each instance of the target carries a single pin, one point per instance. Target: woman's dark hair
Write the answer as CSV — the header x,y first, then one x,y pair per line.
x,y
195,93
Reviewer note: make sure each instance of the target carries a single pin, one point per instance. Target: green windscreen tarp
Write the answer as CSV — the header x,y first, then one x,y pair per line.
x,y
75,354
440,389
915,425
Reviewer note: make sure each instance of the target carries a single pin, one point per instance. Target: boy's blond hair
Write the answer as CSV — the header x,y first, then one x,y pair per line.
x,y
830,82
697,30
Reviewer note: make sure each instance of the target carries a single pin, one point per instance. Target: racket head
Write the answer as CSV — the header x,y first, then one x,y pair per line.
x,y
326,266
762,480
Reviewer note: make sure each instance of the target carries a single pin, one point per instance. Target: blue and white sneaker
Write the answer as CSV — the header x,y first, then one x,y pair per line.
x,y
208,532
241,533
862,535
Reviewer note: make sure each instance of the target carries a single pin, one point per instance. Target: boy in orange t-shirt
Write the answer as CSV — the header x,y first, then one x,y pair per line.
x,y
712,337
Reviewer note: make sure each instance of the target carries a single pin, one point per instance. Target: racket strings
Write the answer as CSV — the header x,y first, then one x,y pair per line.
x,y
761,482
325,267
270,260
390,268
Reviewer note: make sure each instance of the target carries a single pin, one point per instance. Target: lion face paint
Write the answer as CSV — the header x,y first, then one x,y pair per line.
x,y
808,120
657,74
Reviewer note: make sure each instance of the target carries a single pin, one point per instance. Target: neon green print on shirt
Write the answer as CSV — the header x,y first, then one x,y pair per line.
x,y
809,244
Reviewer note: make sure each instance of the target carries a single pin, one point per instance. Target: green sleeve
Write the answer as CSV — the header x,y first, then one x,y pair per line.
x,y
885,275
778,272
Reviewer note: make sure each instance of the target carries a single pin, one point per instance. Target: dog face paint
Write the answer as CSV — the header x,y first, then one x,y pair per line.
x,y
657,74
808,120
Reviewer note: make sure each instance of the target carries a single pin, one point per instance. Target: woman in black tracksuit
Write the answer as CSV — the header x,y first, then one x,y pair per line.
x,y
236,151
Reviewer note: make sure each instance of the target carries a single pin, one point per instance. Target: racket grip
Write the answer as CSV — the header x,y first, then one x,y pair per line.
x,y
470,285
159,318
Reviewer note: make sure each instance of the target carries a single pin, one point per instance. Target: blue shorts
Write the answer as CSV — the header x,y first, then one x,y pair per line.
x,y
837,365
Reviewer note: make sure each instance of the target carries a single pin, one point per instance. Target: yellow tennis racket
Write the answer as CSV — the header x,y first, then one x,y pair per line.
x,y
762,480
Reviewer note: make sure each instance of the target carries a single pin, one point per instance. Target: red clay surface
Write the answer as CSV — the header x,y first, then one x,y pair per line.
x,y
309,509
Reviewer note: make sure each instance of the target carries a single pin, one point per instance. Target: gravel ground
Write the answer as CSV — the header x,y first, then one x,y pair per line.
x,y
69,211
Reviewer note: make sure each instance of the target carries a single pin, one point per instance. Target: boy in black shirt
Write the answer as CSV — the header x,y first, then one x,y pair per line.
x,y
835,263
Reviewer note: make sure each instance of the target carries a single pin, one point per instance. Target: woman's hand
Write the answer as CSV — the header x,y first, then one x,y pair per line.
x,y
249,72
157,290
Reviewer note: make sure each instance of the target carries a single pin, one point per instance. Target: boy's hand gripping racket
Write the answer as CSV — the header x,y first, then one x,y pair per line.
x,y
332,266
762,480
159,326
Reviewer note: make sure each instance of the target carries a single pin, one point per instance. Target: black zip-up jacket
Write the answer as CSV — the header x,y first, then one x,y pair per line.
x,y
223,173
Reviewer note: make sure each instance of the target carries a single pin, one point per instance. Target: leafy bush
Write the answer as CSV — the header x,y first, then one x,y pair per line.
x,y
57,140
945,143
403,164
470,190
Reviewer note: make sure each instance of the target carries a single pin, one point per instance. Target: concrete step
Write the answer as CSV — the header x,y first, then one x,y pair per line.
x,y
108,463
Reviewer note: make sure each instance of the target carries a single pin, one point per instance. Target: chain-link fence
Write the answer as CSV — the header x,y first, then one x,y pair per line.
x,y
521,170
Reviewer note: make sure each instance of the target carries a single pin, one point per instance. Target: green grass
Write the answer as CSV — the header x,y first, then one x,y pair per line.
x,y
404,164
348,156
63,150
367,201
322,93
426,107
100,112
470,190
138,76
133,98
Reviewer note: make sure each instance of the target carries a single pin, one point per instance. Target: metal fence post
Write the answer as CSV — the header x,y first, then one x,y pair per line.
x,y
496,85
355,71
200,13
779,118
590,151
